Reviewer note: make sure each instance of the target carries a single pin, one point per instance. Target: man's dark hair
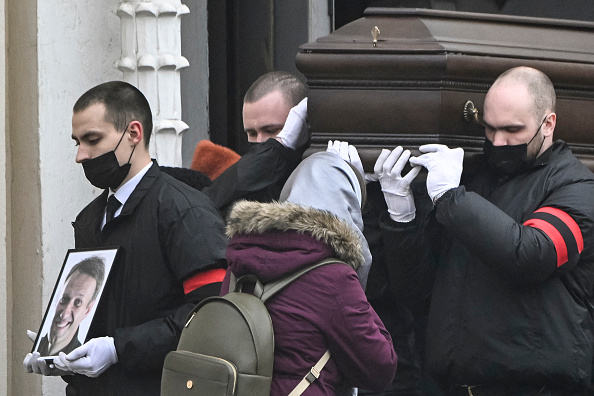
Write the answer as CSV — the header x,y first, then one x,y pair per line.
x,y
292,89
92,266
123,102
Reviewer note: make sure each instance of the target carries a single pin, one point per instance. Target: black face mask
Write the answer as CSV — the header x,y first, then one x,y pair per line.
x,y
105,171
511,159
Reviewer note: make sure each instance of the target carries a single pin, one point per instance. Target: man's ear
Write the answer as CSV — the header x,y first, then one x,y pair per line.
x,y
136,132
89,307
549,125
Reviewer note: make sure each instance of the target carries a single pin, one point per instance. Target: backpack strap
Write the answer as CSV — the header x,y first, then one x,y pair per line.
x,y
236,285
271,288
232,281
313,375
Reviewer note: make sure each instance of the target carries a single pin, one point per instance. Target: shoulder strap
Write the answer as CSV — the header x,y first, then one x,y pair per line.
x,y
232,281
313,375
271,288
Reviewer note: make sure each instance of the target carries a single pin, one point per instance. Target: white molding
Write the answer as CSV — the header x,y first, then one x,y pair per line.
x,y
151,60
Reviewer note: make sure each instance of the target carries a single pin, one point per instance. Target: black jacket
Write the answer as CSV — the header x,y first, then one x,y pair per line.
x,y
401,316
259,175
513,267
168,231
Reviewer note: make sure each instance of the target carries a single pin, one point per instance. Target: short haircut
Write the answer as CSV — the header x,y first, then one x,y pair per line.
x,y
539,86
292,88
95,268
123,102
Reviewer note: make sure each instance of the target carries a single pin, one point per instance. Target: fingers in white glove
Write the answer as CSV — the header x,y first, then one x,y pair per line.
x,y
444,166
438,155
391,160
355,160
92,358
396,167
347,152
33,363
301,108
339,148
343,150
32,335
27,364
410,176
396,189
60,363
380,164
334,147
433,148
295,131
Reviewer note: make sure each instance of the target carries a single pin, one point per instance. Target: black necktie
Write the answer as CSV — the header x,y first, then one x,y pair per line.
x,y
112,206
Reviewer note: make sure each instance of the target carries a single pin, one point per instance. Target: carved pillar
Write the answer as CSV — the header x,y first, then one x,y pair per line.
x,y
151,60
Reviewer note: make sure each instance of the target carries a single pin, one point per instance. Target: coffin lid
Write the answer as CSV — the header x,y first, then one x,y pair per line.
x,y
435,32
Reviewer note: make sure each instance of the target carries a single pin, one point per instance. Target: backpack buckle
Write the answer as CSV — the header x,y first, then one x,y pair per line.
x,y
313,375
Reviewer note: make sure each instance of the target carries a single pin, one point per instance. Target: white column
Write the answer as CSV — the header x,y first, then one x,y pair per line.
x,y
151,60
319,21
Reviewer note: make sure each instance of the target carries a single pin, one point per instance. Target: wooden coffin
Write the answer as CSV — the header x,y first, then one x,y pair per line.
x,y
410,84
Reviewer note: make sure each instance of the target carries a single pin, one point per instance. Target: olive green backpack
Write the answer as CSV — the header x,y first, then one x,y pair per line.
x,y
227,345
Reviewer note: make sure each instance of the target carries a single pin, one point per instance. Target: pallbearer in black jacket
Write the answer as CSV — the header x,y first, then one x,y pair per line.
x,y
510,252
274,118
173,249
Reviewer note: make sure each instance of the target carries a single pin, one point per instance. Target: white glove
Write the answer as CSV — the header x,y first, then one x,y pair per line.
x,y
295,132
444,166
33,363
351,155
339,148
347,152
32,335
92,358
396,189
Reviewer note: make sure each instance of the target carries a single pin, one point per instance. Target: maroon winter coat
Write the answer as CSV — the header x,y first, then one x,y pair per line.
x,y
325,308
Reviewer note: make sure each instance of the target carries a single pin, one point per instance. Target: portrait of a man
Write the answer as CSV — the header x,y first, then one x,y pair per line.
x,y
74,303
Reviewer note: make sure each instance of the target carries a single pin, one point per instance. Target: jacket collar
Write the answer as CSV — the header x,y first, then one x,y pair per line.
x,y
144,185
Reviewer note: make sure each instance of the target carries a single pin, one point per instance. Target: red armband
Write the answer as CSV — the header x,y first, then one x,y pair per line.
x,y
562,229
204,278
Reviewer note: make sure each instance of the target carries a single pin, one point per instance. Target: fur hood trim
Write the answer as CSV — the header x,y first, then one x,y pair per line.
x,y
249,217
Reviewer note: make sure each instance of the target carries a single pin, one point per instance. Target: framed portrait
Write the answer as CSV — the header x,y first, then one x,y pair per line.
x,y
74,300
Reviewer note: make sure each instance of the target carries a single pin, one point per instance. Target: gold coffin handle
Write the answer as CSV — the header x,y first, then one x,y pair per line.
x,y
471,113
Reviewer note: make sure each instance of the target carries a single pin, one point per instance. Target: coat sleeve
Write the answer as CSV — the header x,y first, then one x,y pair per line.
x,y
193,242
409,253
550,239
258,175
360,345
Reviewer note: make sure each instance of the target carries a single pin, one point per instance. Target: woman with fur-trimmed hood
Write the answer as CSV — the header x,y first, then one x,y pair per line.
x,y
319,217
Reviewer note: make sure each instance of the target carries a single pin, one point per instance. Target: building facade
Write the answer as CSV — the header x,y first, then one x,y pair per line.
x,y
53,52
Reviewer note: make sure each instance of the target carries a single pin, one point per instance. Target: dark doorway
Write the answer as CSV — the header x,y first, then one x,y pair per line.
x,y
246,40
